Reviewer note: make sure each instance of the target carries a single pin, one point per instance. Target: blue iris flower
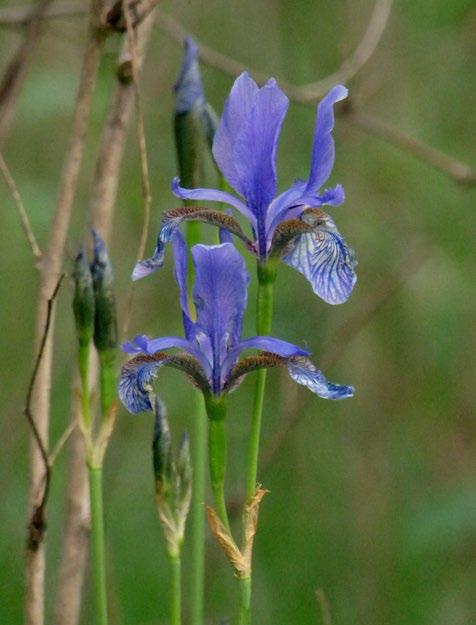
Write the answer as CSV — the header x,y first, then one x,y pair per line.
x,y
210,352
291,226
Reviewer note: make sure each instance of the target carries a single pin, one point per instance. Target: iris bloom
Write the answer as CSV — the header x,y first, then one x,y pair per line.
x,y
292,225
211,350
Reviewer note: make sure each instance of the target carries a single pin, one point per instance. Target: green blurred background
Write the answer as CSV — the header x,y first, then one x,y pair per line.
x,y
372,499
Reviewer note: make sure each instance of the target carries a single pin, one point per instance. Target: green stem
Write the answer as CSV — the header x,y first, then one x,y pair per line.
x,y
264,315
83,365
245,601
107,379
176,596
199,458
216,410
97,543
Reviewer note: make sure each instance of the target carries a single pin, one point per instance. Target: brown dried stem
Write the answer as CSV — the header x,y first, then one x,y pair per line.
x,y
308,94
146,190
37,523
459,171
50,270
25,222
103,201
17,68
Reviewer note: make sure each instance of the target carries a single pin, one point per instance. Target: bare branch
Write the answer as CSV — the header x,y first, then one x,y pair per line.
x,y
308,94
19,16
36,527
146,190
61,442
352,65
25,222
103,201
461,172
76,527
50,269
324,606
17,68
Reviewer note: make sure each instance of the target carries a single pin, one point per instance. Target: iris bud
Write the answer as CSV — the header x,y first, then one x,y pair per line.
x,y
105,320
83,301
195,121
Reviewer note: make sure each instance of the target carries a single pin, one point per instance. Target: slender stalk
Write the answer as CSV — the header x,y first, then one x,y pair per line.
x,y
176,596
97,543
245,601
83,365
107,380
199,459
264,314
216,410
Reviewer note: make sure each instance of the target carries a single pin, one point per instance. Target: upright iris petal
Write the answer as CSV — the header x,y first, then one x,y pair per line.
x,y
211,352
245,147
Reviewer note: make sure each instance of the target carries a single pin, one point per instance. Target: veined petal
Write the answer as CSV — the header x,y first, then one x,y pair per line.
x,y
322,159
278,207
180,273
220,295
300,369
325,259
135,385
236,111
304,372
137,375
255,147
275,347
213,195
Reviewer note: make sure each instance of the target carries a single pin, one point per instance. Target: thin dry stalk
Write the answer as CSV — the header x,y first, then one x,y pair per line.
x,y
18,66
49,272
308,94
324,606
25,222
103,200
146,190
459,171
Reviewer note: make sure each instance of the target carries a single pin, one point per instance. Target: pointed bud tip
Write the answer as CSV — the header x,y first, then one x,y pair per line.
x,y
188,88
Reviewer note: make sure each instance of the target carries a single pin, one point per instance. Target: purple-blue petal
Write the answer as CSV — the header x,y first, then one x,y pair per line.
x,y
147,266
322,159
326,260
220,295
255,147
135,385
236,111
263,343
181,273
212,195
304,372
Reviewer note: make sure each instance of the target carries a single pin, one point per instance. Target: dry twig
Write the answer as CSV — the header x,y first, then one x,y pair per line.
x,y
305,94
17,68
103,200
25,222
324,606
50,269
308,94
131,37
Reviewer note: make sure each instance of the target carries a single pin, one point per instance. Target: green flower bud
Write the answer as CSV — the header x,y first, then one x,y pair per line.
x,y
105,320
195,121
83,300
